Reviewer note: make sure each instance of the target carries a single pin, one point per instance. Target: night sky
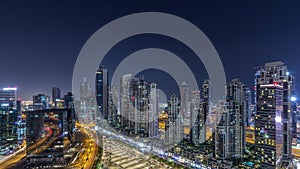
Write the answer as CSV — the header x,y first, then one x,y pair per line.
x,y
40,40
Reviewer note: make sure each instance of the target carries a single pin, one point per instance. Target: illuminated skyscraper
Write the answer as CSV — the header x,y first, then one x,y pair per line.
x,y
8,127
185,98
174,126
205,109
273,119
8,119
113,117
69,100
41,102
195,117
230,133
125,101
8,96
248,102
102,91
56,95
153,110
268,127
139,114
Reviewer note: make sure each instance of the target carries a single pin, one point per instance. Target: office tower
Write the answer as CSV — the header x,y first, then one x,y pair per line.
x,y
87,105
8,97
195,117
19,106
40,102
184,98
56,96
221,132
85,90
102,93
256,79
69,100
34,125
230,134
268,127
139,114
153,110
205,109
274,88
174,127
248,103
294,114
114,95
8,127
125,101
113,118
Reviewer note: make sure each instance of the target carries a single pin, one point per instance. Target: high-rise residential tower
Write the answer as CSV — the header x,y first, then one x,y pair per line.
x,y
125,101
174,126
153,110
273,118
230,132
195,117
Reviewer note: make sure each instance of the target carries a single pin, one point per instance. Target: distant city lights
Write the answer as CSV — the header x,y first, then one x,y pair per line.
x,y
9,88
278,119
293,98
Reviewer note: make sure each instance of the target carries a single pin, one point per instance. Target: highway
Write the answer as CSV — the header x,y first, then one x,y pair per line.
x,y
15,158
87,152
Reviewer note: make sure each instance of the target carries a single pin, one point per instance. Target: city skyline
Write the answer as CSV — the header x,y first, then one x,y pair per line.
x,y
154,84
245,35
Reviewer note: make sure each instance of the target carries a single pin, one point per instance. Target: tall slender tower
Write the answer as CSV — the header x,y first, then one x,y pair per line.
x,y
139,107
153,110
102,93
230,134
56,94
174,129
205,108
195,117
125,101
184,99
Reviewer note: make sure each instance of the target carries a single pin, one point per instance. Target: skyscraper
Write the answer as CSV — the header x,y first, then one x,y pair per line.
x,y
139,112
184,98
113,117
56,95
102,91
8,127
125,101
174,126
40,102
268,127
153,110
274,77
69,100
230,134
248,102
8,96
205,109
195,117
87,104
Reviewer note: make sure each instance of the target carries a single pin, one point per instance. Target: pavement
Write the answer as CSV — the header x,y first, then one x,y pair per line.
x,y
120,155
